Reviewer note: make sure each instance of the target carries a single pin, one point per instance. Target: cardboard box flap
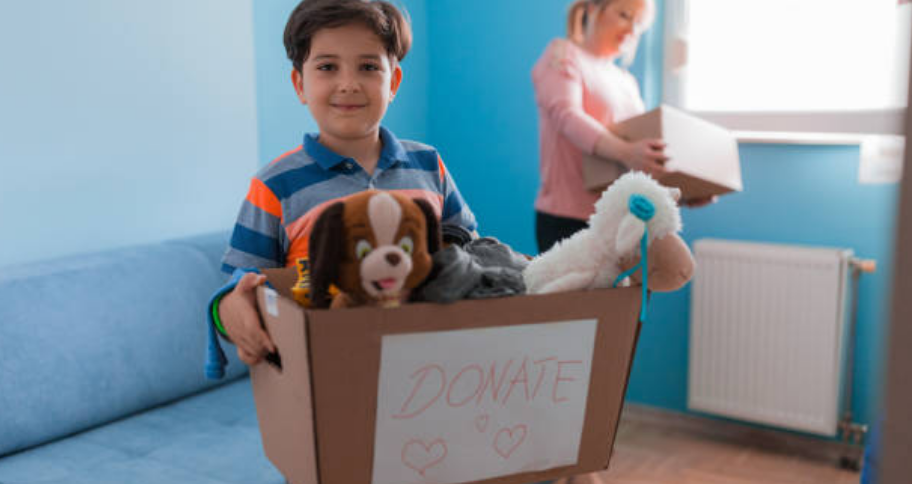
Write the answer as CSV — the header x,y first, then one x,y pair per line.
x,y
282,280
283,396
641,126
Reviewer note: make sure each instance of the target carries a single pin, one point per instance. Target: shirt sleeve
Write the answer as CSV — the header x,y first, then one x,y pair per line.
x,y
256,241
455,209
558,83
215,355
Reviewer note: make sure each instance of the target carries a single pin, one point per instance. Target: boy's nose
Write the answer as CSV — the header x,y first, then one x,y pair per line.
x,y
349,85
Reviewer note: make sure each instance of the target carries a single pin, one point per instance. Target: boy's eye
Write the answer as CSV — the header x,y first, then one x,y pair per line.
x,y
326,67
370,67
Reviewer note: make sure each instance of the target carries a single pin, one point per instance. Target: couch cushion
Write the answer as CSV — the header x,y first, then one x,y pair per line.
x,y
205,439
85,340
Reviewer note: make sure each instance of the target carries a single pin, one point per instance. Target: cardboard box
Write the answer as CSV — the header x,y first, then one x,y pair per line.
x,y
507,391
703,156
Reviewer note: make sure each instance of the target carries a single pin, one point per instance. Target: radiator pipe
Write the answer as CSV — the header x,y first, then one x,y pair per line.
x,y
853,433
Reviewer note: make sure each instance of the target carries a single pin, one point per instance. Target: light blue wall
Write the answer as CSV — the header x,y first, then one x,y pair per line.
x,y
122,122
283,120
482,118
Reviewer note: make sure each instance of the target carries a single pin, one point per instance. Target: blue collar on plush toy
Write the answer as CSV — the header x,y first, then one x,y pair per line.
x,y
644,210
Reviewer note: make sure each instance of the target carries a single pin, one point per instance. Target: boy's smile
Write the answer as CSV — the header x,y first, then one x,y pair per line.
x,y
347,81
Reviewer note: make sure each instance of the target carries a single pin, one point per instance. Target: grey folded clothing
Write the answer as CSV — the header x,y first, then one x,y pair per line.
x,y
482,268
455,234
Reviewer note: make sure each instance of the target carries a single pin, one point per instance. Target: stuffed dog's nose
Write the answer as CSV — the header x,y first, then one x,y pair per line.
x,y
393,258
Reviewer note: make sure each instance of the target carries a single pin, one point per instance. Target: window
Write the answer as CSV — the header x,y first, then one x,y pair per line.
x,y
828,66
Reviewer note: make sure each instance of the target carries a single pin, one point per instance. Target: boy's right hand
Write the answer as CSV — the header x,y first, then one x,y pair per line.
x,y
241,320
647,155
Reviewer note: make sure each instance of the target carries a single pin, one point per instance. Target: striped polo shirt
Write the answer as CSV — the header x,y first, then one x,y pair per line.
x,y
286,197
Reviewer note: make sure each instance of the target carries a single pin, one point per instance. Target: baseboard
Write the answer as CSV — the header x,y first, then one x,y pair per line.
x,y
781,441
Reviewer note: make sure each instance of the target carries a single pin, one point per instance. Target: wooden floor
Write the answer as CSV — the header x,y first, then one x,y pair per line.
x,y
649,453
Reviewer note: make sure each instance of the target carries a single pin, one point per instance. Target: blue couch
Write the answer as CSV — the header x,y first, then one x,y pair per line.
x,y
101,373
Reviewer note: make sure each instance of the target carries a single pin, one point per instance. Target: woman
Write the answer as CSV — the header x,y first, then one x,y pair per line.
x,y
580,91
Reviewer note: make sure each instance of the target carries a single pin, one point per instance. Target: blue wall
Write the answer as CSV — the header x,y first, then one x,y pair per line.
x,y
468,92
122,122
482,118
796,195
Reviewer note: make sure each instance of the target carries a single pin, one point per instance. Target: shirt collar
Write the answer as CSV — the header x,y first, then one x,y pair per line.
x,y
392,151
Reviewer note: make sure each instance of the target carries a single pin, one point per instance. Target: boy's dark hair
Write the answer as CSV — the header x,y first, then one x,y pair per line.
x,y
312,15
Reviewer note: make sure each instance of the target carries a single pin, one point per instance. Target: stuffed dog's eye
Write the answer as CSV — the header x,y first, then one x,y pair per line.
x,y
407,245
363,248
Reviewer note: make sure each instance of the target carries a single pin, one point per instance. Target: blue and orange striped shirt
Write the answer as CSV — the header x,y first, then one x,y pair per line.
x,y
286,197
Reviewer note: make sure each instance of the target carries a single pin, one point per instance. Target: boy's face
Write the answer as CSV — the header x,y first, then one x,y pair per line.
x,y
347,81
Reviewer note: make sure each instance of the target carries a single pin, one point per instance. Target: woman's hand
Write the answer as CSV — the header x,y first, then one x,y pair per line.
x,y
699,202
646,155
241,320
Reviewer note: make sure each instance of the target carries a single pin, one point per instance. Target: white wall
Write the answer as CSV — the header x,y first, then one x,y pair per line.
x,y
122,122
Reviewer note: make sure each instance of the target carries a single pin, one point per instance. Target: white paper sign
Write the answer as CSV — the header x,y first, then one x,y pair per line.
x,y
460,406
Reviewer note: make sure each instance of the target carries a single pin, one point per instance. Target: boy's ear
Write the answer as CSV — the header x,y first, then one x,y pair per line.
x,y
395,81
297,80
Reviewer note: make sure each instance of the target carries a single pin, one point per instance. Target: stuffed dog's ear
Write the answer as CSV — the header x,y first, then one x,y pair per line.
x,y
433,225
325,253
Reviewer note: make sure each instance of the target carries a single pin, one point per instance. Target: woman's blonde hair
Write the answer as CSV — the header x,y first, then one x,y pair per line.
x,y
577,19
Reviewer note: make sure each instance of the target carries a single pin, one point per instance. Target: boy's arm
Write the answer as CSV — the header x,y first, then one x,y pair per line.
x,y
456,211
255,243
215,355
257,239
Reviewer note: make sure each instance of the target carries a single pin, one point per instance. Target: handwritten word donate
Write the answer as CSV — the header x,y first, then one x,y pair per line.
x,y
478,383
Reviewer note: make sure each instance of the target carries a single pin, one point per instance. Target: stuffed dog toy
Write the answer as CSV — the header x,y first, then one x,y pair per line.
x,y
594,257
374,246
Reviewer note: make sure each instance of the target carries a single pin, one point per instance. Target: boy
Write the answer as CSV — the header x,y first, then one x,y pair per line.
x,y
345,56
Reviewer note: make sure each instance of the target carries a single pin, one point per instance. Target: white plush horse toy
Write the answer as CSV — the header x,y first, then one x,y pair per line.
x,y
632,206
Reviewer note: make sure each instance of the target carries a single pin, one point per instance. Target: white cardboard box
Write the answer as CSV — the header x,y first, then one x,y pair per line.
x,y
703,160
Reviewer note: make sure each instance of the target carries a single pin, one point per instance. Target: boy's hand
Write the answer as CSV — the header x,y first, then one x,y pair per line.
x,y
646,155
241,320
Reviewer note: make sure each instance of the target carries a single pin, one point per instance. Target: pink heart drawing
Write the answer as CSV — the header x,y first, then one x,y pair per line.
x,y
481,423
508,440
420,457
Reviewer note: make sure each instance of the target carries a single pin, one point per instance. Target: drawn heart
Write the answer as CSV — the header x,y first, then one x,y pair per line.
x,y
420,457
481,423
508,440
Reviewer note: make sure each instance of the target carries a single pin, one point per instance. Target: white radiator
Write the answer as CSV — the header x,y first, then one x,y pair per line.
x,y
767,333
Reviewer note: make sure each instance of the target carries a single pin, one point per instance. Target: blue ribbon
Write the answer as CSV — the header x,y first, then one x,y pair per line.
x,y
643,209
